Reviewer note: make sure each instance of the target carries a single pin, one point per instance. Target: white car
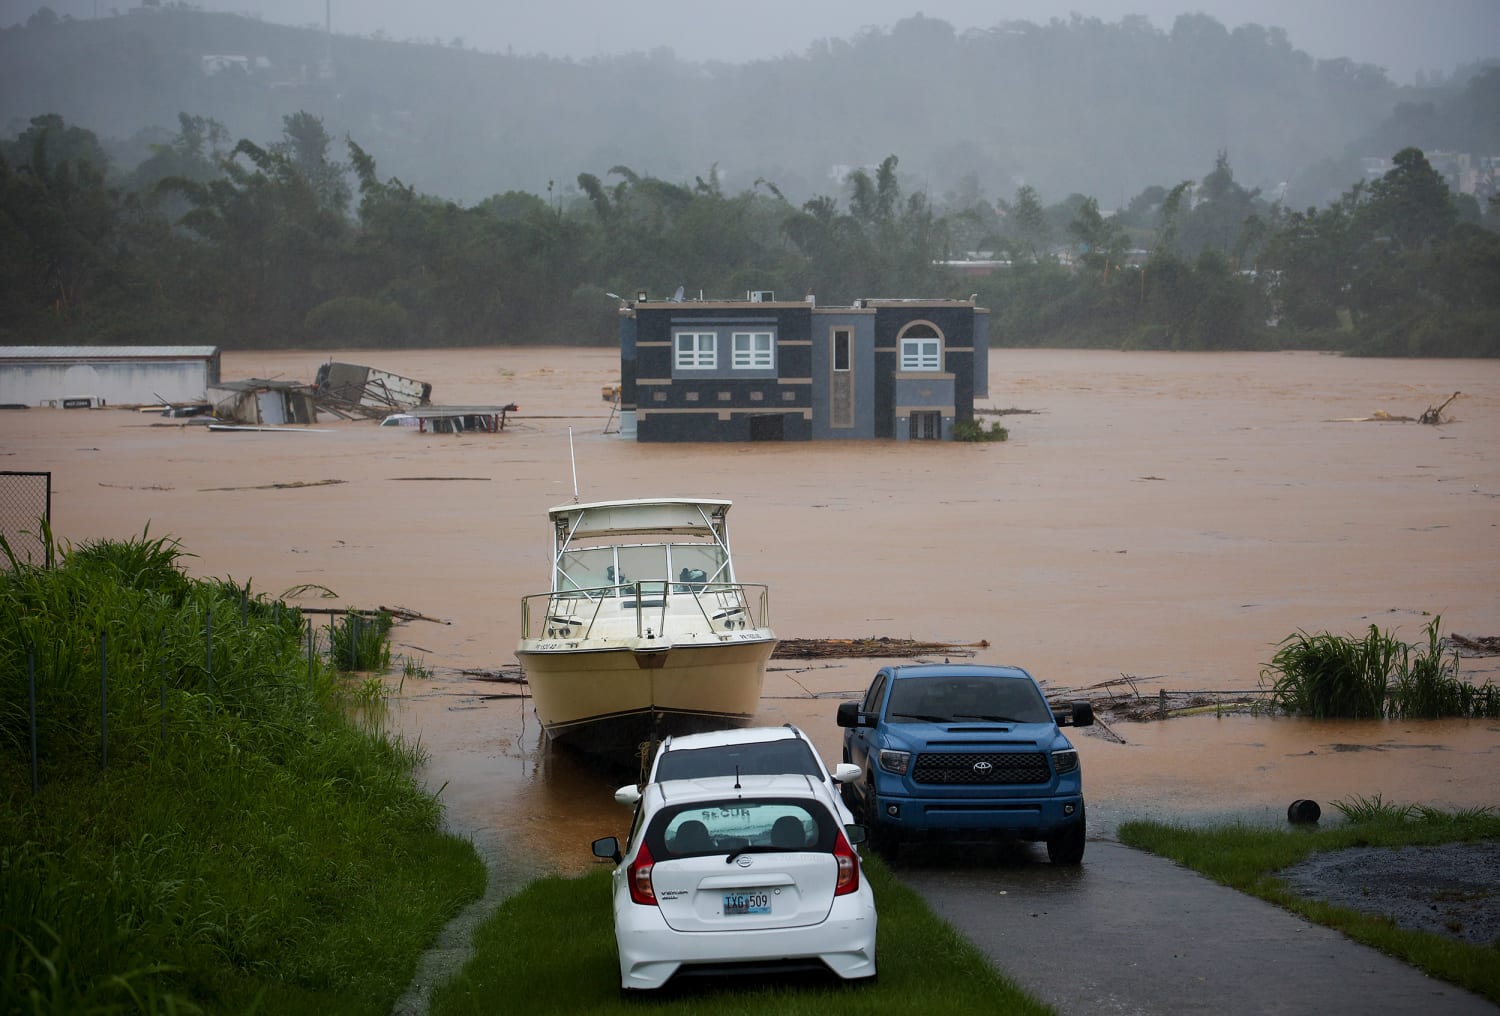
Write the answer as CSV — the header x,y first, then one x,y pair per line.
x,y
747,751
748,875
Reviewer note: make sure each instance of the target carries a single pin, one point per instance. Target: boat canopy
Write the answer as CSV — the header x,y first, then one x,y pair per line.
x,y
680,516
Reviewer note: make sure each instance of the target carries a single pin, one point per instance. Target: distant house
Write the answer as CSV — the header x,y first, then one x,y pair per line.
x,y
760,369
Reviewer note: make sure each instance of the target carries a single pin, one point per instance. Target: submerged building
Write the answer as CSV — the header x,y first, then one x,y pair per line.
x,y
105,375
762,369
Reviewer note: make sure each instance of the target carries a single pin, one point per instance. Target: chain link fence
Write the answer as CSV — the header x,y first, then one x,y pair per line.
x,y
25,516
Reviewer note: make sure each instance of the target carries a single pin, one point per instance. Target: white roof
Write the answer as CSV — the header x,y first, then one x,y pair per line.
x,y
105,352
732,735
677,515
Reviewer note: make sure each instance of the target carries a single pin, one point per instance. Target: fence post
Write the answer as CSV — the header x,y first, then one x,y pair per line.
x,y
104,700
208,647
1162,701
162,674
36,786
312,638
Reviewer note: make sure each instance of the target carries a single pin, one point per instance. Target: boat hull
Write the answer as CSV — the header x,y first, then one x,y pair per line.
x,y
609,700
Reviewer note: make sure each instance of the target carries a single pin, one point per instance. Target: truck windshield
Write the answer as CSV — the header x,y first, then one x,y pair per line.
x,y
968,700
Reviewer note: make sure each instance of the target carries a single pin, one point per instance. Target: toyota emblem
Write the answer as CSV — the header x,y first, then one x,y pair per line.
x,y
982,767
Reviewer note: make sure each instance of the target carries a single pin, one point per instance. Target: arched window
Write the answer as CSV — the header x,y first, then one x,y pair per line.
x,y
921,347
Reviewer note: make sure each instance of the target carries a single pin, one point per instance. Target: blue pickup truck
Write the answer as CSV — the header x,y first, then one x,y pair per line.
x,y
964,751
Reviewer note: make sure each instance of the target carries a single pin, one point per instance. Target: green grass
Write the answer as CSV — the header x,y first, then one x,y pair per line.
x,y
551,949
1247,858
230,841
361,642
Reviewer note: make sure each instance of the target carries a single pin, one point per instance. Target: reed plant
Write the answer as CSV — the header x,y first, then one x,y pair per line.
x,y
200,827
361,641
1378,676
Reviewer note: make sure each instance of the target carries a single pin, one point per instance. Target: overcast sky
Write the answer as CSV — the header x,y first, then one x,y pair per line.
x,y
1403,36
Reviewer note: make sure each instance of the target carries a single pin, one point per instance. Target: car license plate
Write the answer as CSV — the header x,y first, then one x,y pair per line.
x,y
740,904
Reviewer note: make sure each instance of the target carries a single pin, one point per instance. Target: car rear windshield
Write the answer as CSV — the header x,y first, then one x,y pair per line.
x,y
758,758
967,700
757,824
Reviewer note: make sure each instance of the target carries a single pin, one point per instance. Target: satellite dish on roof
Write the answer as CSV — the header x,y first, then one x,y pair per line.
x,y
677,296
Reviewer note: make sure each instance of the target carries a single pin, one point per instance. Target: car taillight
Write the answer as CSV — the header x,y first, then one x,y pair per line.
x,y
843,856
639,876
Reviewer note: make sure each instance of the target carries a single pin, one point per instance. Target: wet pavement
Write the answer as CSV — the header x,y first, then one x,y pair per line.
x,y
1129,932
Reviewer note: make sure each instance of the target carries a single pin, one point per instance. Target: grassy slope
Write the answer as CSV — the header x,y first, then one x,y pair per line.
x,y
247,848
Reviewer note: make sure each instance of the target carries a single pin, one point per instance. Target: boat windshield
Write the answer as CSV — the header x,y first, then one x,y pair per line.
x,y
686,566
967,700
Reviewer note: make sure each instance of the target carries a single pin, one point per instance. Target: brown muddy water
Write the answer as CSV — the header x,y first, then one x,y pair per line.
x,y
1168,518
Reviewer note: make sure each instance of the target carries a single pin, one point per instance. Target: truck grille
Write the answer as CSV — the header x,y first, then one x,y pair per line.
x,y
981,767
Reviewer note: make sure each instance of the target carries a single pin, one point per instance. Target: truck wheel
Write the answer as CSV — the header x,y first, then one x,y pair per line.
x,y
882,838
1067,846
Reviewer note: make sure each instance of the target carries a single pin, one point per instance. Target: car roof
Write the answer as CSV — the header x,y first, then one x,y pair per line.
x,y
715,788
733,735
957,670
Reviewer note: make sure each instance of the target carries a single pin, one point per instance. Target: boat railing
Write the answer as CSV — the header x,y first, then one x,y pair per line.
x,y
656,605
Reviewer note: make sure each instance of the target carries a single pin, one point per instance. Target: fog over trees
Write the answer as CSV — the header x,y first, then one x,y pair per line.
x,y
182,176
1073,105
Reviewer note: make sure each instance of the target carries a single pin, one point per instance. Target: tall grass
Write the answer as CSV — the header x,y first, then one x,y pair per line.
x,y
361,642
211,832
1333,676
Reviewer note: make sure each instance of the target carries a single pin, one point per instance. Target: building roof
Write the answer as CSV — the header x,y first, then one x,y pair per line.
x,y
106,352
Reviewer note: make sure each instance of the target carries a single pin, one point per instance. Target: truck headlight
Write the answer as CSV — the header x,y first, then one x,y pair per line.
x,y
895,761
1065,761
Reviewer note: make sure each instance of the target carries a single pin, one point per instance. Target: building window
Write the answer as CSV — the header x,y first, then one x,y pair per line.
x,y
697,351
841,340
754,351
921,354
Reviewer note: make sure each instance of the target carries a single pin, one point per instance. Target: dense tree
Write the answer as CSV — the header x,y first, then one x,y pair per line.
x,y
256,246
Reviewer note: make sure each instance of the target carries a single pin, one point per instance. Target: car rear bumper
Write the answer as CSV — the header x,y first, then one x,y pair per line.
x,y
652,953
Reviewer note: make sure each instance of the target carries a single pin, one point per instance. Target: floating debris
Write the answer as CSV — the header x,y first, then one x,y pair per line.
x,y
807,649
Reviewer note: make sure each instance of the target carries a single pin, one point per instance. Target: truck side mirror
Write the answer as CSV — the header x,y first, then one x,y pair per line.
x,y
850,716
1083,714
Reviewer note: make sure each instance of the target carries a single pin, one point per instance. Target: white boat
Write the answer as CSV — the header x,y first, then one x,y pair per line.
x,y
646,631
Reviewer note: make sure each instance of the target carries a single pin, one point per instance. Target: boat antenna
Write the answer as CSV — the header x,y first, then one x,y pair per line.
x,y
572,459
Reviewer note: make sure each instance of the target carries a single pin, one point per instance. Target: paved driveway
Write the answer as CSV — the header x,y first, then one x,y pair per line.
x,y
1129,932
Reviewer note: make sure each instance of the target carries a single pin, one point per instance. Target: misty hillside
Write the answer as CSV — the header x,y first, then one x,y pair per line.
x,y
1082,105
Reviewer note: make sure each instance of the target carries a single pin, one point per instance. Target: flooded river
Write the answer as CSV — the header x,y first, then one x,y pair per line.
x,y
1166,518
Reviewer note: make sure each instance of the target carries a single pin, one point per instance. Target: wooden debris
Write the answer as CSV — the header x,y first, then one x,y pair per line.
x,y
505,675
287,485
407,614
881,646
1436,415
1482,645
